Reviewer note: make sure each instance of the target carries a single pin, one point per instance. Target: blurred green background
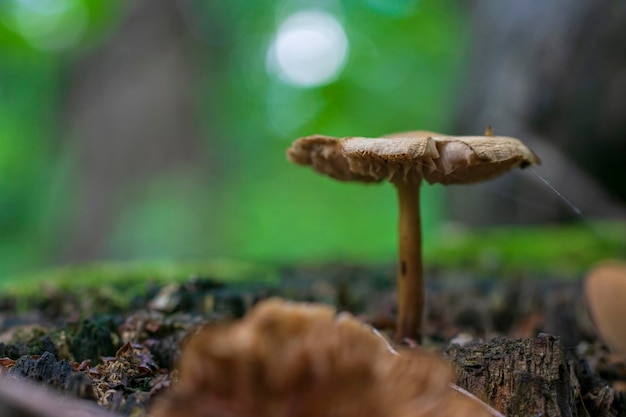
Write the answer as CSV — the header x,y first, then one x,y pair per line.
x,y
134,130
255,205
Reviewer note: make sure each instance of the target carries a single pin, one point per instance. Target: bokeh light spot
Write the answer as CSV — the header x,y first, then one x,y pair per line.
x,y
309,49
49,24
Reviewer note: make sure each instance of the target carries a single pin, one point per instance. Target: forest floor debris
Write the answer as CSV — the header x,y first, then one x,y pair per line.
x,y
124,358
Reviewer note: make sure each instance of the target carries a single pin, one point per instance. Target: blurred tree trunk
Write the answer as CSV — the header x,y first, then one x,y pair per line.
x,y
131,116
553,74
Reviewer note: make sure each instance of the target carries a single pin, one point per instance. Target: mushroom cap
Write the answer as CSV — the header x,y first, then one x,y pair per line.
x,y
303,360
411,156
605,291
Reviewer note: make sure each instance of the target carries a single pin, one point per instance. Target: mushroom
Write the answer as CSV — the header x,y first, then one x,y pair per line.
x,y
405,159
605,291
303,360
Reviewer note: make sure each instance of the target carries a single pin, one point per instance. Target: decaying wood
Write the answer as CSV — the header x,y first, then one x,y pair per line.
x,y
519,377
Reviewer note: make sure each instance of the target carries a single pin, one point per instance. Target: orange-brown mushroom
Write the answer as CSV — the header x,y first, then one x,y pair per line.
x,y
303,360
605,292
405,159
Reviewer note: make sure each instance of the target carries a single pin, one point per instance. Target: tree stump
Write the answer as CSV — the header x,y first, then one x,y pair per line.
x,y
518,377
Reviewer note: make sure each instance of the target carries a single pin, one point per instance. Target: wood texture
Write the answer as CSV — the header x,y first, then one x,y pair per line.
x,y
518,377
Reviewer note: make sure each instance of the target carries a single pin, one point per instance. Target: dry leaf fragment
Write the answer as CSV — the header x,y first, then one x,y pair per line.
x,y
302,360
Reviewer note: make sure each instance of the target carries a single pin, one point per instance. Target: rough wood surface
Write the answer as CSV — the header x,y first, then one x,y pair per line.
x,y
518,377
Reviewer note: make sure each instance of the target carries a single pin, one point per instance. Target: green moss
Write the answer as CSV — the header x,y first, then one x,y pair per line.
x,y
561,250
132,278
93,339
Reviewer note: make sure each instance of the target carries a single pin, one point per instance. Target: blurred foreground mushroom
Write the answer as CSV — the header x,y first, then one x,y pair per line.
x,y
405,159
605,294
23,398
301,360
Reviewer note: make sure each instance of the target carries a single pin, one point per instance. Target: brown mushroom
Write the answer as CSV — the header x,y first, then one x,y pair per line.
x,y
303,360
405,159
605,292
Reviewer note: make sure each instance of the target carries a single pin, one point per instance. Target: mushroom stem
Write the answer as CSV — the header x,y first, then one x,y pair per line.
x,y
410,270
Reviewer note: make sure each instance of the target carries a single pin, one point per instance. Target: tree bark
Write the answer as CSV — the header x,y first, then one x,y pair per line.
x,y
518,377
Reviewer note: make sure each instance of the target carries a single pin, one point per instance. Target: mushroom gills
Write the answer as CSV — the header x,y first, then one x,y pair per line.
x,y
400,159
